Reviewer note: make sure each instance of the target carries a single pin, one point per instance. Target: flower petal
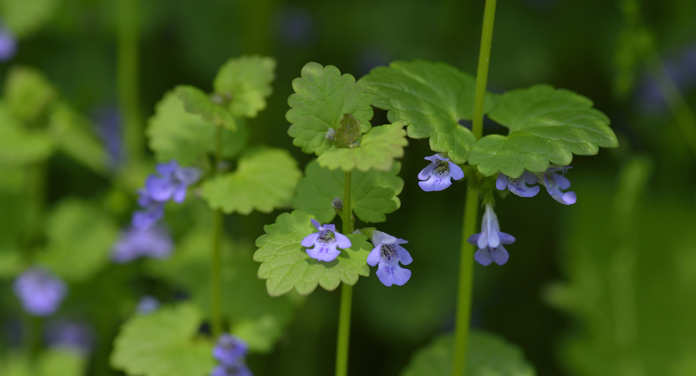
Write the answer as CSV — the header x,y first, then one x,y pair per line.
x,y
159,189
400,275
425,173
179,193
500,255
456,172
374,256
310,239
188,175
379,237
342,241
434,184
483,257
404,256
501,182
506,238
168,168
316,224
473,239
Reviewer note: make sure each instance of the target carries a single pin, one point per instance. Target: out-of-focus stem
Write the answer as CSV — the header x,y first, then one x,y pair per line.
x,y
128,94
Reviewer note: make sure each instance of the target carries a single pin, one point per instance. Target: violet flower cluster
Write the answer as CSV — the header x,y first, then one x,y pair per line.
x,y
490,240
230,351
8,44
70,335
552,179
324,243
439,173
135,242
39,291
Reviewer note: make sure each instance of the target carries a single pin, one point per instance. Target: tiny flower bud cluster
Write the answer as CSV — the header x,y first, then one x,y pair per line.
x,y
230,351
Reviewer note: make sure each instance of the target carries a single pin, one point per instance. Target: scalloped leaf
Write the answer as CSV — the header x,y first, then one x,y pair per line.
x,y
199,103
176,134
488,355
163,343
28,93
322,96
377,150
246,82
430,98
547,126
285,265
265,180
19,146
373,193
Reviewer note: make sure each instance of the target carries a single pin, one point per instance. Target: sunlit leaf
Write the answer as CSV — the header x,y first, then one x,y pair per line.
x,y
199,103
245,82
53,362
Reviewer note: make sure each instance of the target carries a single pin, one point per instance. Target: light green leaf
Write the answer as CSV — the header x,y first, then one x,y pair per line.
x,y
255,317
430,98
53,362
177,134
264,180
322,96
28,93
546,125
377,150
488,355
373,193
24,17
285,264
199,103
163,343
79,240
75,137
246,83
19,146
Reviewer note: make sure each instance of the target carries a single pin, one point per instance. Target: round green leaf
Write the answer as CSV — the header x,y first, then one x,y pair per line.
x,y
199,103
246,82
19,146
285,265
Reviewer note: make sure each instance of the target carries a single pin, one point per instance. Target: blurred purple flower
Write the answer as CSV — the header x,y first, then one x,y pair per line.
x,y
553,179
490,240
39,291
388,253
296,26
152,211
229,350
70,335
108,122
518,186
147,304
680,68
172,182
325,242
8,44
152,242
438,174
370,59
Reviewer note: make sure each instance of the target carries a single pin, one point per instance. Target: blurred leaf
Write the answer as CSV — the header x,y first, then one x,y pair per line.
x,y
199,103
28,93
487,355
246,82
373,193
322,97
79,240
255,317
286,266
19,146
163,343
430,98
546,125
24,17
265,180
177,134
74,136
53,362
377,150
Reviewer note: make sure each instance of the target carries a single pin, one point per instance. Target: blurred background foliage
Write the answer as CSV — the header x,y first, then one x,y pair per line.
x,y
603,287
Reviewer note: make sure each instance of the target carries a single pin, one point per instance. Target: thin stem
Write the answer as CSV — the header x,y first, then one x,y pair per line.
x,y
343,342
471,206
216,255
128,94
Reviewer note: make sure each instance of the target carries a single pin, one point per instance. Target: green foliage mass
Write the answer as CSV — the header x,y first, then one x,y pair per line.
x,y
53,362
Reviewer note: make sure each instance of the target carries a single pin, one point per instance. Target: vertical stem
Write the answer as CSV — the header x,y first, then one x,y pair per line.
x,y
466,264
216,255
128,95
343,342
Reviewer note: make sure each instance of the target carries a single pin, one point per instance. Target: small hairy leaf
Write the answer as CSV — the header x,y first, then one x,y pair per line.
x,y
19,146
487,355
430,98
177,134
265,180
199,103
163,343
377,150
246,83
285,264
28,93
322,97
546,125
373,193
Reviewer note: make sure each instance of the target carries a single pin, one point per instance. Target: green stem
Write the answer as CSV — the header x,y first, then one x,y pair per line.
x,y
216,255
471,206
128,95
343,342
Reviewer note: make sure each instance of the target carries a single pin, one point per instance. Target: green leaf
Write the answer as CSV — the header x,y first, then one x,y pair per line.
x,y
163,343
488,355
286,266
28,93
377,150
24,17
373,193
75,137
79,240
546,125
322,97
199,103
19,146
246,83
264,180
430,98
52,362
177,134
255,317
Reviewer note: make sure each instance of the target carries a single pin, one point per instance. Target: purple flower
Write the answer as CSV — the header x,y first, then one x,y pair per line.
x,y
40,291
229,350
152,211
438,174
490,240
296,26
152,242
388,253
325,242
147,304
231,370
518,186
172,183
555,182
8,44
108,123
70,335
